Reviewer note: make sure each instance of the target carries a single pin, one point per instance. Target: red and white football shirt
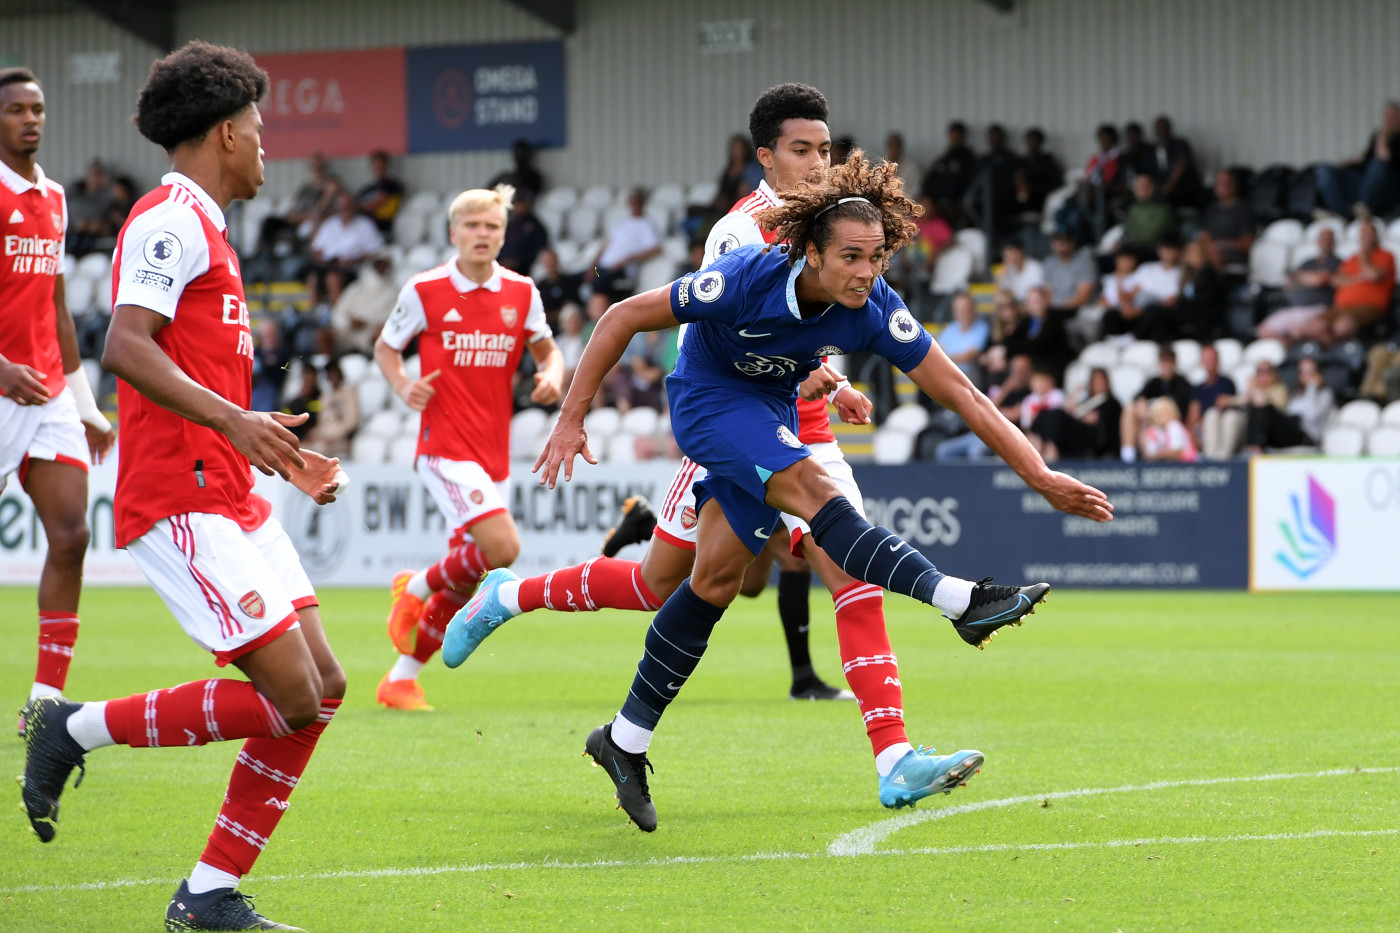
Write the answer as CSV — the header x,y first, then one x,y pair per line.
x,y
33,221
173,257
741,228
475,335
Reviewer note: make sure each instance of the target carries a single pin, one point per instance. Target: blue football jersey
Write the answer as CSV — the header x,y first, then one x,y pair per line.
x,y
745,326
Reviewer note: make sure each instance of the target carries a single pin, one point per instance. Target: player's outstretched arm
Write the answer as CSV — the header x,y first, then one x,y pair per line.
x,y
645,312
949,387
133,354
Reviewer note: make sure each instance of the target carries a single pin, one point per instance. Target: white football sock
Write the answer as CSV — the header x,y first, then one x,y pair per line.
x,y
406,667
43,690
206,878
509,595
629,736
889,757
88,726
418,585
952,595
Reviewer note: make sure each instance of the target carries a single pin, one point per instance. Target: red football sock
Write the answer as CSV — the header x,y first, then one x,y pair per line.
x,y
460,569
194,714
58,631
870,666
263,777
600,583
432,624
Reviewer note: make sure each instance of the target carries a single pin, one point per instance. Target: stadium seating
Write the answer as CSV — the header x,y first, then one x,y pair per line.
x,y
1383,441
975,242
911,418
1360,413
402,450
1390,415
582,223
598,197
1287,232
1343,440
1127,380
368,448
1268,263
952,272
893,446
601,424
1266,349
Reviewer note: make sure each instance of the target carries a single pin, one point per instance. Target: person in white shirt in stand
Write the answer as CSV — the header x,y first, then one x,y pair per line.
x,y
1019,274
340,245
629,243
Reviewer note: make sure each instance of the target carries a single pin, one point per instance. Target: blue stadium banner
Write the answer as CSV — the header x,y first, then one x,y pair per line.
x,y
470,97
1180,525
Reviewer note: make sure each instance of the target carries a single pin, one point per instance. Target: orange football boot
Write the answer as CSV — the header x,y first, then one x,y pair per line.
x,y
404,611
401,694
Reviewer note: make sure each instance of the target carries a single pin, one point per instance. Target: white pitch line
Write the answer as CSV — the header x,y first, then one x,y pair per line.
x,y
864,840
546,864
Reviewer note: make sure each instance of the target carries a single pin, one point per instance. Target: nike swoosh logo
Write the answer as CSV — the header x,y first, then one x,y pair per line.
x,y
745,333
618,769
673,686
803,628
894,547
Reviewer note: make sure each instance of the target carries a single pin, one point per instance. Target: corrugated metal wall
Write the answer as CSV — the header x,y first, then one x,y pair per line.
x,y
1251,81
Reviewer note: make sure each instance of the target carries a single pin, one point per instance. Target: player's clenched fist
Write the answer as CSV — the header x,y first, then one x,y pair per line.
x,y
263,438
417,394
566,441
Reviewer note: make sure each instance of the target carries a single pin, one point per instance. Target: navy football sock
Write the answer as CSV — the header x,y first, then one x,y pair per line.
x,y
794,589
871,554
675,643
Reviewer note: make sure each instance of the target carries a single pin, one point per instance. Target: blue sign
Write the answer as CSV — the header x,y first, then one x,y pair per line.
x,y
1182,525
470,97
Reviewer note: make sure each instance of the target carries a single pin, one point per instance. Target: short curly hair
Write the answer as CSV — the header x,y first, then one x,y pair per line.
x,y
17,75
854,190
188,92
781,103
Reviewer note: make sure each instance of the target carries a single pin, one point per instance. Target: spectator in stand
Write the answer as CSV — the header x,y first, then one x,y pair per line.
x,y
270,360
525,234
991,200
1042,334
965,338
1208,394
573,337
910,171
1166,438
307,402
339,417
382,197
1039,174
1223,427
1008,397
1147,220
1167,382
1302,420
1372,178
1117,296
89,210
311,196
1135,156
1200,312
948,178
629,243
1381,383
1098,191
1173,167
363,308
1045,395
1070,274
1088,428
1364,286
911,269
314,201
1019,274
841,148
1007,339
524,174
1227,227
1309,291
741,175
638,379
123,198
342,242
1158,292
557,290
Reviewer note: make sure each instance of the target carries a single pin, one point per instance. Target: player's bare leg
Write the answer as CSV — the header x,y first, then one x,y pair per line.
x,y
877,555
434,596
675,642
59,493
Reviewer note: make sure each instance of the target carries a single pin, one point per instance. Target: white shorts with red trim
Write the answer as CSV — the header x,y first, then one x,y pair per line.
x,y
676,519
231,590
52,431
463,492
829,455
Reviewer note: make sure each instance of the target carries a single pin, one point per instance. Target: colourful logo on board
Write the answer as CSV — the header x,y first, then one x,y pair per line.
x,y
1309,534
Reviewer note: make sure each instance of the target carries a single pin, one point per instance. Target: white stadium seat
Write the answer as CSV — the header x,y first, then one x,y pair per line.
x,y
893,446
670,195
526,428
1076,377
559,198
81,294
662,217
675,248
581,223
386,424
702,192
1103,354
1391,414
421,258
1268,264
1188,354
410,228
614,213
373,392
598,197
1362,413
354,366
553,220
1126,381
1383,441
1343,440
910,418
1287,231
640,420
1110,239
601,423
1141,353
95,266
1230,350
975,242
1265,348
368,448
403,449
621,448
952,271
655,272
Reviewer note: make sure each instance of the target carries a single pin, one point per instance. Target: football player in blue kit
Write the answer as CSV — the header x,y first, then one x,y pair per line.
x,y
761,318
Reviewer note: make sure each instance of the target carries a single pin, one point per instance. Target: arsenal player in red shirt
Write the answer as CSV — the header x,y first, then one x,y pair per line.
x,y
473,319
49,423
185,509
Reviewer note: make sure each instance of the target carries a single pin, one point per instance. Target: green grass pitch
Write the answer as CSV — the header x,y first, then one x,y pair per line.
x,y
484,816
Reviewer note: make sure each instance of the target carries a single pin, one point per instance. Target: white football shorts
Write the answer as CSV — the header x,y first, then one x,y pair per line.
x,y
463,491
52,431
